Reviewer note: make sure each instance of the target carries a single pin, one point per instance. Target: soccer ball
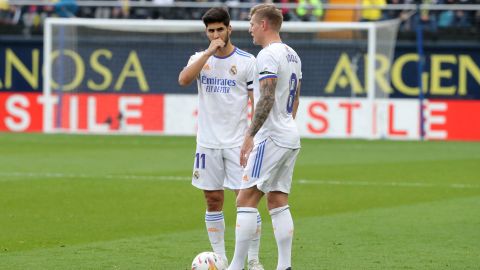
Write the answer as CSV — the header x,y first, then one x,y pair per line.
x,y
208,261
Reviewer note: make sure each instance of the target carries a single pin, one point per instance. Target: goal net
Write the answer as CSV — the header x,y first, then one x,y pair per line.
x,y
120,76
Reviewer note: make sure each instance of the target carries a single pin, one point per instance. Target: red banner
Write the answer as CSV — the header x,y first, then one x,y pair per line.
x,y
172,115
21,112
84,113
462,120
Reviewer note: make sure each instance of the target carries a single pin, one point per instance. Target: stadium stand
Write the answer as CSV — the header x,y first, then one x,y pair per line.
x,y
445,18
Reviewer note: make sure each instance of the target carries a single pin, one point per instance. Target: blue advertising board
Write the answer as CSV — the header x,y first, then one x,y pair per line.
x,y
451,71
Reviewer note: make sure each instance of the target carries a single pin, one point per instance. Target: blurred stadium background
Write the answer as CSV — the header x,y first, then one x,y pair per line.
x,y
399,79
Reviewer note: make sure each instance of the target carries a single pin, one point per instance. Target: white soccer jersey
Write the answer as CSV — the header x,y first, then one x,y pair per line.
x,y
278,60
223,86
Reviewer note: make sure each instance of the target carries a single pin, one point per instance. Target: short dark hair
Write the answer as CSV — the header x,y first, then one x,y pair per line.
x,y
215,15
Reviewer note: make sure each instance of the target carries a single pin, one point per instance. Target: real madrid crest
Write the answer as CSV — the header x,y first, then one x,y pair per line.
x,y
233,70
196,174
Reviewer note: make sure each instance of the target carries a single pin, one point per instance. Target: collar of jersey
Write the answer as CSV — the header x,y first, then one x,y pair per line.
x,y
276,42
220,57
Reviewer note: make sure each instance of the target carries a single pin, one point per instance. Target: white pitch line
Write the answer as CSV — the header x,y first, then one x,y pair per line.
x,y
388,184
92,176
182,178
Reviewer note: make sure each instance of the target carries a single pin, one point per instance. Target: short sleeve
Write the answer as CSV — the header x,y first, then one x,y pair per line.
x,y
267,65
194,58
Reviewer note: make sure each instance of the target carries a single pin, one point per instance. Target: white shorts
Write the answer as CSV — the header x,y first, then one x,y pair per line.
x,y
270,167
217,169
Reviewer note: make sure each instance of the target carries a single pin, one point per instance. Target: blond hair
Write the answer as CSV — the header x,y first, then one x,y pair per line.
x,y
269,12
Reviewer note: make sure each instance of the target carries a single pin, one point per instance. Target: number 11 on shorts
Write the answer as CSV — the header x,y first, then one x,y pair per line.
x,y
199,157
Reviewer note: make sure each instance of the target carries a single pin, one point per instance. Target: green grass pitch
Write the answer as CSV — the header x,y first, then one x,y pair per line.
x,y
125,202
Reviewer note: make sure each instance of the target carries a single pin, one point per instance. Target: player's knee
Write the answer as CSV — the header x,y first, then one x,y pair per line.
x,y
214,201
241,201
276,199
249,197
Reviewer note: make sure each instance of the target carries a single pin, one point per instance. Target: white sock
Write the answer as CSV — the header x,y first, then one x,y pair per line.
x,y
245,229
254,247
283,229
215,223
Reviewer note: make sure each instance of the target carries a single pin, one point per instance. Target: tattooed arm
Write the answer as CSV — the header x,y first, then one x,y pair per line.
x,y
264,104
263,108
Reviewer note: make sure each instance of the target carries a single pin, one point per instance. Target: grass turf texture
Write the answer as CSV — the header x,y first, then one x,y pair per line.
x,y
125,202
